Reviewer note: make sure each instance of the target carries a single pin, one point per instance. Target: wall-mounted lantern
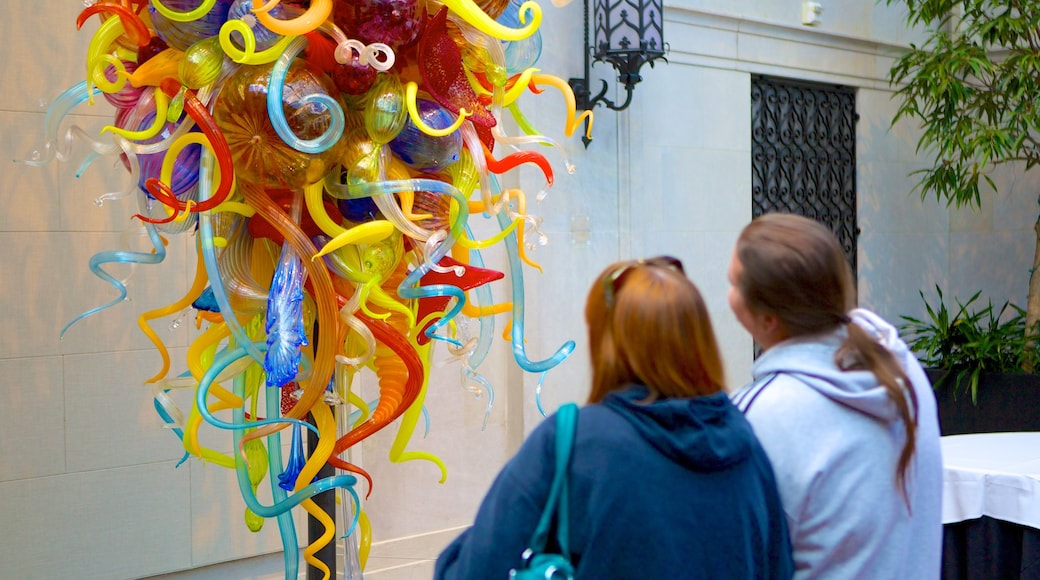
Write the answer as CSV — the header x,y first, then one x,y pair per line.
x,y
627,34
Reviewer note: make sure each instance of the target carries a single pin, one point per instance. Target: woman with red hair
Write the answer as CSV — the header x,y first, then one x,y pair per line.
x,y
666,477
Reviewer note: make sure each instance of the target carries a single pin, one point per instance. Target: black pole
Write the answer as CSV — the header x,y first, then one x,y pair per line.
x,y
326,501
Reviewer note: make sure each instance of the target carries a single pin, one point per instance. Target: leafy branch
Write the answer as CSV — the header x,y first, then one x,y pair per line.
x,y
974,86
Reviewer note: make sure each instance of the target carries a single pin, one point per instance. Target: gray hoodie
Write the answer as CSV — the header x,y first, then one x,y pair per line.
x,y
832,438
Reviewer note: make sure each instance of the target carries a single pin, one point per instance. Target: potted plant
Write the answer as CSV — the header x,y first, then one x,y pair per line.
x,y
972,85
975,358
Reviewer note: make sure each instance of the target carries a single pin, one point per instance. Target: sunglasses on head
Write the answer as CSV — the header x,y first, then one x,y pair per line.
x,y
613,282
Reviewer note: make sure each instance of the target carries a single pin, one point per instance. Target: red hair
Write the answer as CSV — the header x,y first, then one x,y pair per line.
x,y
656,332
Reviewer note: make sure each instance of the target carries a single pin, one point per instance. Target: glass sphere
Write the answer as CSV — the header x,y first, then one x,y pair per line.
x,y
260,155
423,152
181,35
243,10
396,23
520,54
385,112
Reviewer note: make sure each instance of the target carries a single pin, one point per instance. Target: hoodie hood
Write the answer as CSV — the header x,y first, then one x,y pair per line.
x,y
702,433
811,360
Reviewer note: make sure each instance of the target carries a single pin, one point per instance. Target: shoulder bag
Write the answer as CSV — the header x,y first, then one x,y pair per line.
x,y
537,563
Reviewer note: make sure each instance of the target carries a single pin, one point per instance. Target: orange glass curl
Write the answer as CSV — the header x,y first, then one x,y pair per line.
x,y
514,160
397,391
135,28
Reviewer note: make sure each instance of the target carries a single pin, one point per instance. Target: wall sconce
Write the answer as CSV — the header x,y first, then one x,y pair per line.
x,y
628,34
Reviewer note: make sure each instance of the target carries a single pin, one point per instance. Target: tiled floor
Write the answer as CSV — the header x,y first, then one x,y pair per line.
x,y
407,571
410,558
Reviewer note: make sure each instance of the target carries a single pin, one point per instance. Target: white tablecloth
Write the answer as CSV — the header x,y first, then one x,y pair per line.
x,y
992,474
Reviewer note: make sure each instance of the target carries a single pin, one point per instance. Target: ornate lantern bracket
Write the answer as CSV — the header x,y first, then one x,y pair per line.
x,y
628,34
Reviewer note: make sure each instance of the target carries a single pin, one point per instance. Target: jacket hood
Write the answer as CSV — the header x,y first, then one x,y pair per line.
x,y
702,433
811,360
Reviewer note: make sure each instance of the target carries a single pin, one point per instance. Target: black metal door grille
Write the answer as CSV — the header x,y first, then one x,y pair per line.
x,y
803,151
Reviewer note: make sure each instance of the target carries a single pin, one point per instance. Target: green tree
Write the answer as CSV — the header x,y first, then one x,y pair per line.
x,y
974,86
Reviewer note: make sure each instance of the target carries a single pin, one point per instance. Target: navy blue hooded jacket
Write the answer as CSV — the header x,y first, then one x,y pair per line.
x,y
677,488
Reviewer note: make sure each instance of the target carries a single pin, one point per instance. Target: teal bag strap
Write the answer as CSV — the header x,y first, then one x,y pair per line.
x,y
566,424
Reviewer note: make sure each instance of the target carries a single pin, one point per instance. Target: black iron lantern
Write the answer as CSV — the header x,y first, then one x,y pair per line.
x,y
627,34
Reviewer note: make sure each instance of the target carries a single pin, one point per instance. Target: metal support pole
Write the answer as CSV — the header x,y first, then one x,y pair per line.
x,y
326,502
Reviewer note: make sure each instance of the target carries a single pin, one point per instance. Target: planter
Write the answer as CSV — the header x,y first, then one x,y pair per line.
x,y
1006,402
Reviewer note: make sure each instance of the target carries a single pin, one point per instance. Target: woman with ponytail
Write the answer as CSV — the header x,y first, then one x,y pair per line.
x,y
842,408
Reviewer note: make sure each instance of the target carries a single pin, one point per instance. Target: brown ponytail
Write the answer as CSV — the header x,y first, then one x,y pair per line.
x,y
862,351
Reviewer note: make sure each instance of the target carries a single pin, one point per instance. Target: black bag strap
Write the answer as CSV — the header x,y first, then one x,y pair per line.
x,y
566,425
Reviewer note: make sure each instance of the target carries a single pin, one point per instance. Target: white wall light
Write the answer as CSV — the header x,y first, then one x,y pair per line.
x,y
811,13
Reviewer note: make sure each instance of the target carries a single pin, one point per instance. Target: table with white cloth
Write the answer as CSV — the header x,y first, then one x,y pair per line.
x,y
991,506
